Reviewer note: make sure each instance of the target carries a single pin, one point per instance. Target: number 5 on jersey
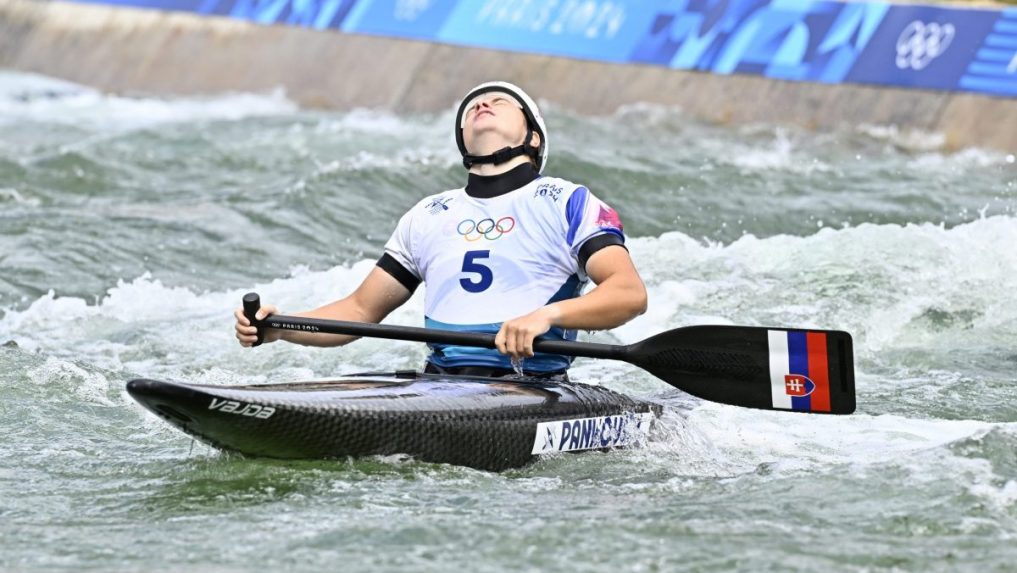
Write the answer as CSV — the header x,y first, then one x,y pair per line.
x,y
470,265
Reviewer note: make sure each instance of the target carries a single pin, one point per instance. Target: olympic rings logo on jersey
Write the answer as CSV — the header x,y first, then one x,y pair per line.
x,y
485,228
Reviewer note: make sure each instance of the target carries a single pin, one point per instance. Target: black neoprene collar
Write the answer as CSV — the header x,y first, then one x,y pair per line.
x,y
488,186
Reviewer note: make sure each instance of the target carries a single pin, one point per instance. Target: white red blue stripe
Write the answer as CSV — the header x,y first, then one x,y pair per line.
x,y
799,370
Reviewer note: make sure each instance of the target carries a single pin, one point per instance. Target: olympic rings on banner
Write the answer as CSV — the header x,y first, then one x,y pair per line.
x,y
920,43
485,228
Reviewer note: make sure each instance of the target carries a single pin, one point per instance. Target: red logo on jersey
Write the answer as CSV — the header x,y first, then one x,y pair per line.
x,y
608,218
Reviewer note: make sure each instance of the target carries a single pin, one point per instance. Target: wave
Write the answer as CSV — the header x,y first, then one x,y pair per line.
x,y
29,97
906,293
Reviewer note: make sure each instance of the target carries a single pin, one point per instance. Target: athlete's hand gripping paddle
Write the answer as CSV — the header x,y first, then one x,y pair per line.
x,y
252,302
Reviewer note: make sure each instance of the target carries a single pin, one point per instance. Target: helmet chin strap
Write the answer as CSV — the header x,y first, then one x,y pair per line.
x,y
502,155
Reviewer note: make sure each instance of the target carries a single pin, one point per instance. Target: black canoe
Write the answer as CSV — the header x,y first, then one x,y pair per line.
x,y
485,423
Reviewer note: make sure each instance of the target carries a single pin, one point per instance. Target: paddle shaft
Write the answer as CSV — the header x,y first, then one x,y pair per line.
x,y
252,302
415,334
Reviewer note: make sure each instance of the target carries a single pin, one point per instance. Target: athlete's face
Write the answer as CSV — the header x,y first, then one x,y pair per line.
x,y
492,121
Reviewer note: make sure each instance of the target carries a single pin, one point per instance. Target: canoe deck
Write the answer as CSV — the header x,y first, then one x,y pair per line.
x,y
485,423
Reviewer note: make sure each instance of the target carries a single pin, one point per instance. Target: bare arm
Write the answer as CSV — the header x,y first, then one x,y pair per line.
x,y
618,297
373,300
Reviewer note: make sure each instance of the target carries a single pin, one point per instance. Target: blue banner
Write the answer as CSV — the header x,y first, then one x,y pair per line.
x,y
592,30
400,18
909,46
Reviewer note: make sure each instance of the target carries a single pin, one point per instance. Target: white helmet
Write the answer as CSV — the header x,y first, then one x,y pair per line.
x,y
534,120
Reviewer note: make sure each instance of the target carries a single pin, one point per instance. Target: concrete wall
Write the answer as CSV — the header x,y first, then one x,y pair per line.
x,y
126,50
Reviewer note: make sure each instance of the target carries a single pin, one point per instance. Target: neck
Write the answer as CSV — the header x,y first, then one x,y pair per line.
x,y
487,142
487,187
488,169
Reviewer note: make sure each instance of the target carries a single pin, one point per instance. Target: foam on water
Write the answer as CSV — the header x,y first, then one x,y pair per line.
x,y
24,97
362,161
909,139
781,154
813,442
371,123
919,267
147,328
8,194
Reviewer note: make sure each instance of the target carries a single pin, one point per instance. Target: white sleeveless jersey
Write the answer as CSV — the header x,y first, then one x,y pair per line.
x,y
484,261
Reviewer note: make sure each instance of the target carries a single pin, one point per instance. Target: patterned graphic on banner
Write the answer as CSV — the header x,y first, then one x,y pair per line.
x,y
994,68
817,41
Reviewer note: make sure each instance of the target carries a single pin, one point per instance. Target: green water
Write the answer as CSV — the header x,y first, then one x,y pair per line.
x,y
129,229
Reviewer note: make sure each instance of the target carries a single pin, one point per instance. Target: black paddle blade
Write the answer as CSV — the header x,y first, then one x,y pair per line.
x,y
755,367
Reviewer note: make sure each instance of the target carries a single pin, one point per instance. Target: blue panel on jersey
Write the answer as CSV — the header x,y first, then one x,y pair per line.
x,y
574,210
450,355
570,289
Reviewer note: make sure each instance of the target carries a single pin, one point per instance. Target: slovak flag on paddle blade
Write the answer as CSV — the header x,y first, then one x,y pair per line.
x,y
799,372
